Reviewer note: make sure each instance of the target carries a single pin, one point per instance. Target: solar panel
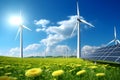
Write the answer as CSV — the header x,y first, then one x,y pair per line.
x,y
109,53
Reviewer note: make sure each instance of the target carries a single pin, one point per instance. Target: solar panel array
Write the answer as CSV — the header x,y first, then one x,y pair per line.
x,y
109,53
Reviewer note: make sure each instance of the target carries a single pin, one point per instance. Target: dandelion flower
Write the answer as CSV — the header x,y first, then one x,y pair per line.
x,y
57,73
7,78
93,67
81,72
78,65
33,72
100,74
4,78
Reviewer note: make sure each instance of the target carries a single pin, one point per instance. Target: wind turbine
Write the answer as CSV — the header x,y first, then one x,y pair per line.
x,y
20,31
115,40
77,25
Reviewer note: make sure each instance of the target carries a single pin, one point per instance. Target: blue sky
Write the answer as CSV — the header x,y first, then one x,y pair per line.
x,y
52,22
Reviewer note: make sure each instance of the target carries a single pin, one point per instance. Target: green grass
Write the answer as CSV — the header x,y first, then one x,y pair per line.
x,y
16,67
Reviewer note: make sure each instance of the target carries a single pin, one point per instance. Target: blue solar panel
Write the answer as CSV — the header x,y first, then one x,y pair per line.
x,y
109,53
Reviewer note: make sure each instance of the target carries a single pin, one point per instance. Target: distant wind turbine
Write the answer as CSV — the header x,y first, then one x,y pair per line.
x,y
115,40
20,30
77,25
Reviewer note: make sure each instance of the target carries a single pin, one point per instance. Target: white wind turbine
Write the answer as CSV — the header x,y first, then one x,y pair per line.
x,y
115,40
77,25
18,21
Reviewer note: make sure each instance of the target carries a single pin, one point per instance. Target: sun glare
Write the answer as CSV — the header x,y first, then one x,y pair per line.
x,y
15,20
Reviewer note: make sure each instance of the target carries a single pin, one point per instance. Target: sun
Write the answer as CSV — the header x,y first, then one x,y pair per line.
x,y
15,20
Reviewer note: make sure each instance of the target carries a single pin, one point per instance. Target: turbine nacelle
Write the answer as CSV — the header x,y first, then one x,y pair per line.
x,y
21,28
78,19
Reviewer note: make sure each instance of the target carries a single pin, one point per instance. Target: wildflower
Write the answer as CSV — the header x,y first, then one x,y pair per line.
x,y
93,67
57,73
4,78
78,65
7,78
33,72
100,74
81,72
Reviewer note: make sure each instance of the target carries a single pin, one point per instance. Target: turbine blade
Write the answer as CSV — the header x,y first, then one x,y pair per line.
x,y
110,42
115,32
17,33
118,41
74,29
26,28
84,21
78,13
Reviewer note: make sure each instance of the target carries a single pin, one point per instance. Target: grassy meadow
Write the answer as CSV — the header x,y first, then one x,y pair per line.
x,y
55,69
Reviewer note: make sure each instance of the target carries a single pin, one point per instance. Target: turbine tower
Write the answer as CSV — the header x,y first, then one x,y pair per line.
x,y
115,40
77,25
20,30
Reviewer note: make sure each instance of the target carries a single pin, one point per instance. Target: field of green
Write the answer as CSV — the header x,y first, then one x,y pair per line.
x,y
55,69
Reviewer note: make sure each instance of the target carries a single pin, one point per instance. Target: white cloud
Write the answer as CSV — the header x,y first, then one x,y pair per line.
x,y
52,39
87,49
42,24
65,27
32,47
14,52
62,50
58,50
40,29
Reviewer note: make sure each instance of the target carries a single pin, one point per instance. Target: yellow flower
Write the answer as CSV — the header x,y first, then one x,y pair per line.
x,y
100,74
57,73
78,65
81,72
7,78
4,78
93,67
33,72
